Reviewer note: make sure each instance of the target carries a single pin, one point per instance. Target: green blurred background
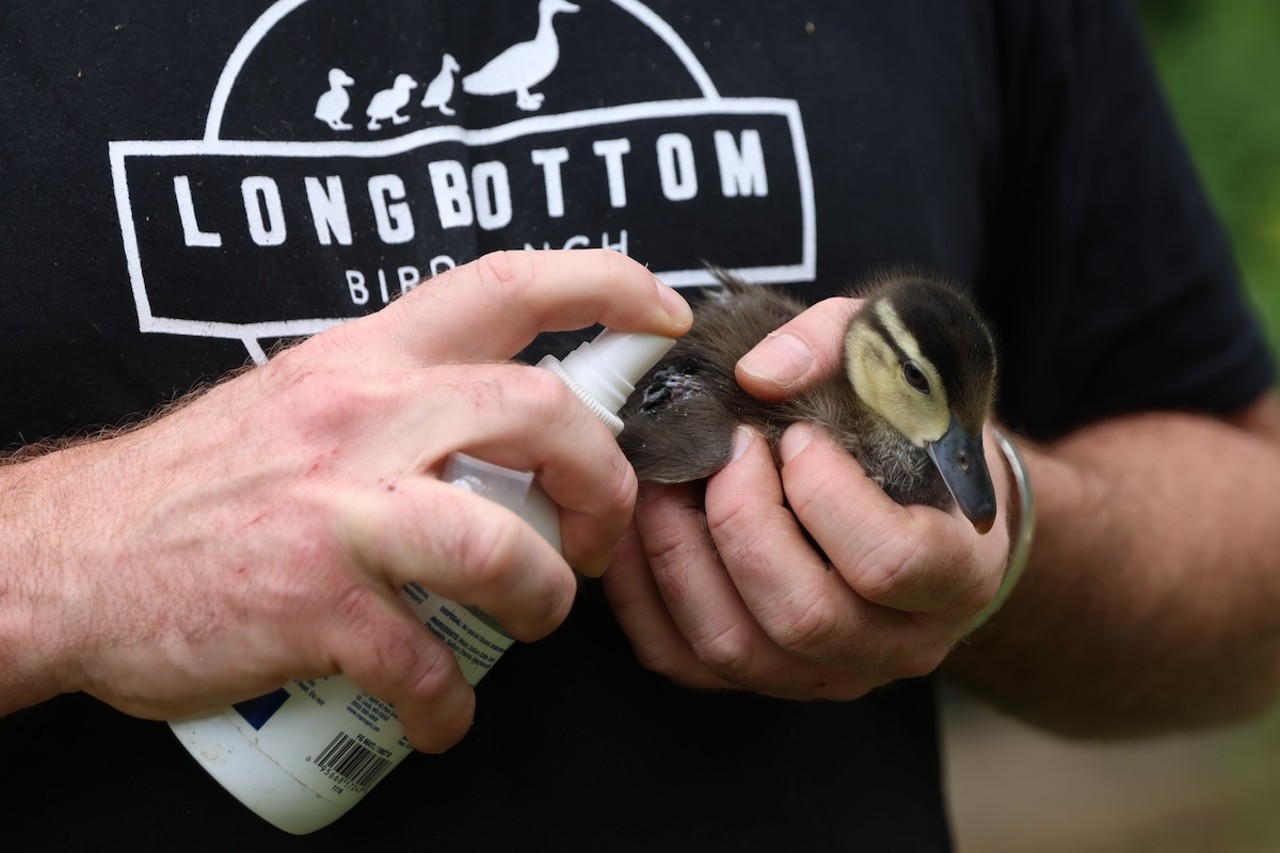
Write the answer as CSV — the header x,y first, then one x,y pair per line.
x,y
1220,62
1014,789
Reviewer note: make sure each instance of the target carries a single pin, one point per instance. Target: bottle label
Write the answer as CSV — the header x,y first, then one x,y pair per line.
x,y
339,741
474,642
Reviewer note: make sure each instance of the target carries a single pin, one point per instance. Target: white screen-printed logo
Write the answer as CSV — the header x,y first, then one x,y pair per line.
x,y
403,162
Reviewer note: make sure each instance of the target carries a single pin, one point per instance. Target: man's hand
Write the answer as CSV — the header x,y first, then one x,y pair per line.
x,y
725,590
262,531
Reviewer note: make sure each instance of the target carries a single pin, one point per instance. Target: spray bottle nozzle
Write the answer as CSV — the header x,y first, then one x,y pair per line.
x,y
603,372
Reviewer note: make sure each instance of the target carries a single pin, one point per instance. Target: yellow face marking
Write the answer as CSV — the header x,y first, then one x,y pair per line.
x,y
875,370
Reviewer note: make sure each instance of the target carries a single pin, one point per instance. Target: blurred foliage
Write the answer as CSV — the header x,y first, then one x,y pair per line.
x,y
1220,63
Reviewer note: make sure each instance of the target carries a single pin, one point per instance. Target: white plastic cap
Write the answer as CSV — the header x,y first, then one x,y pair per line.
x,y
603,372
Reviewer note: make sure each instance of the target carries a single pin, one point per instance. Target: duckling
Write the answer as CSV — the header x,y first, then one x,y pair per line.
x,y
332,106
388,103
440,89
918,384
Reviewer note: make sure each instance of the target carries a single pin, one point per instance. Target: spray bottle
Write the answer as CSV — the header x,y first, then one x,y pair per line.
x,y
303,755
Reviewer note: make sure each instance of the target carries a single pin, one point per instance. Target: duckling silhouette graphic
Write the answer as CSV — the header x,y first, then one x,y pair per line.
x,y
333,104
440,90
388,103
524,65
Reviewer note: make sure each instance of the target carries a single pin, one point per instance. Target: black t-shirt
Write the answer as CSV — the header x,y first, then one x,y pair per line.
x,y
183,185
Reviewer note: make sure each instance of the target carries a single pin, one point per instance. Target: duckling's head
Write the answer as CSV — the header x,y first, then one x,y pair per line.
x,y
921,360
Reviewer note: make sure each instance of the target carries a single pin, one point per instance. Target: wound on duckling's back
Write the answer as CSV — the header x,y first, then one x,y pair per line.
x,y
918,385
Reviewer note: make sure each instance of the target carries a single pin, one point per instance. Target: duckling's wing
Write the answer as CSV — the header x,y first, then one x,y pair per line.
x,y
678,423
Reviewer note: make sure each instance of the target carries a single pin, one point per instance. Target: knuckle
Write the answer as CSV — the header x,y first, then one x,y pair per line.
x,y
547,608
927,570
738,520
726,652
887,567
614,268
671,558
448,703
433,674
487,557
538,397
804,627
503,270
362,610
388,651
495,564
620,484
658,658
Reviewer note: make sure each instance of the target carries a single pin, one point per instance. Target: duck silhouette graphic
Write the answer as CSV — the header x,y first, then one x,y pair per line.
x,y
333,104
440,90
524,65
388,103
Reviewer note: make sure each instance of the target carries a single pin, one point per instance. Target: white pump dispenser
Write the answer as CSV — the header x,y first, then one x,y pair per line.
x,y
302,756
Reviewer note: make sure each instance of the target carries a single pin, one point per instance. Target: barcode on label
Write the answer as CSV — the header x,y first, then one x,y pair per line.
x,y
355,763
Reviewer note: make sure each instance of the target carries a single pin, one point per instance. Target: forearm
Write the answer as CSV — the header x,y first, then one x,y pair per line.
x,y
1141,611
44,503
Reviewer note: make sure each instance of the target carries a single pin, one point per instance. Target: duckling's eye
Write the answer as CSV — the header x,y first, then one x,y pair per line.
x,y
915,376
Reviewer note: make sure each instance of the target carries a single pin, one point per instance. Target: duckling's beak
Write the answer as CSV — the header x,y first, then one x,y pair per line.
x,y
963,466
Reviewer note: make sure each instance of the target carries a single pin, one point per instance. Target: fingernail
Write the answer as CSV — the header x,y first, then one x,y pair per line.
x,y
676,306
780,359
742,438
794,440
